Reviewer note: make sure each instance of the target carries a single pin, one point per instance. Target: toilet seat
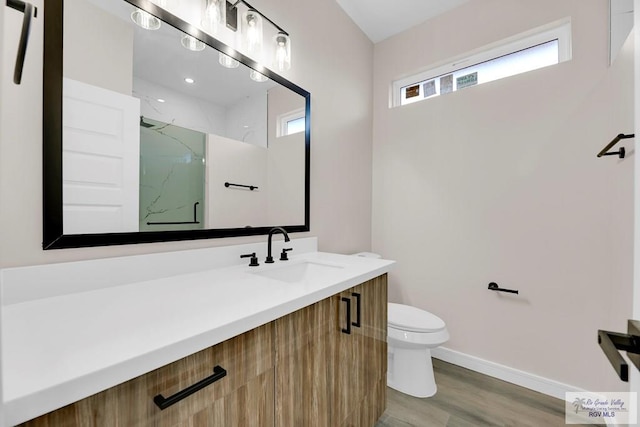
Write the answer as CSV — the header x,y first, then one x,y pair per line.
x,y
413,319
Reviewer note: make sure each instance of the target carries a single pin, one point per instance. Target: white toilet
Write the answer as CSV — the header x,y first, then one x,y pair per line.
x,y
411,334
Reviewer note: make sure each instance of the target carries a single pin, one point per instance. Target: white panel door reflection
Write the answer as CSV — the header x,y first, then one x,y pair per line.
x,y
100,160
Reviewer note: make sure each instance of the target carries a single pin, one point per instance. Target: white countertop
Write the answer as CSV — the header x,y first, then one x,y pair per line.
x,y
60,349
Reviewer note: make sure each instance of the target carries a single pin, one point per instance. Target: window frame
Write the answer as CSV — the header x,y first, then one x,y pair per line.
x,y
283,120
559,30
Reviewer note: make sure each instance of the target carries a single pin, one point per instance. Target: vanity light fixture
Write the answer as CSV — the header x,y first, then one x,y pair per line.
x,y
192,43
252,32
251,27
282,60
227,61
214,15
145,20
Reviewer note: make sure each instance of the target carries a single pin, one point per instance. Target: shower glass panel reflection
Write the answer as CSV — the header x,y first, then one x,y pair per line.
x,y
172,175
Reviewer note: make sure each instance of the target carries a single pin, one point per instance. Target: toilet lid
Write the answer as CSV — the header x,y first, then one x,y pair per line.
x,y
413,319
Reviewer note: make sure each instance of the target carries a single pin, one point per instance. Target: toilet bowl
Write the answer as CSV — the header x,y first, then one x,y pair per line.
x,y
411,334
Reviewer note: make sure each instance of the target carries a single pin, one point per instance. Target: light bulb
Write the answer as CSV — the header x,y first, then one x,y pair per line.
x,y
227,61
192,43
282,48
145,20
252,29
214,15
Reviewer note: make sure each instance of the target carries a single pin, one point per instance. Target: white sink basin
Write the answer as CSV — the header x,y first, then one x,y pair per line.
x,y
299,272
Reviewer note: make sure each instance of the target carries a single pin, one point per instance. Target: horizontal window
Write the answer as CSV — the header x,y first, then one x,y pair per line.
x,y
529,51
291,123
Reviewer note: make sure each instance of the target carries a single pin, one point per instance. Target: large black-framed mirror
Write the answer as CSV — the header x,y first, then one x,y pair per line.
x,y
134,153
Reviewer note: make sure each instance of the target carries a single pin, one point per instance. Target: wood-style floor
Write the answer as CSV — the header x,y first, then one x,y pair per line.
x,y
468,399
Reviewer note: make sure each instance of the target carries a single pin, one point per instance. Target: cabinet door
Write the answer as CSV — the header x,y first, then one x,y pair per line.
x,y
244,397
360,359
303,355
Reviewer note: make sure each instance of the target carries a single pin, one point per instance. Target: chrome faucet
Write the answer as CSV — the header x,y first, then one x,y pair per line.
x,y
273,231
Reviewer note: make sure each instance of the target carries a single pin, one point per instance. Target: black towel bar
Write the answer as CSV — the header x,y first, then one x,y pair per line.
x,y
493,286
28,10
195,219
250,187
611,342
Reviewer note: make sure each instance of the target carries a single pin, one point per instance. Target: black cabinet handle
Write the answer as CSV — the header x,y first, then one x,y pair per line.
x,y
357,322
27,9
164,403
348,328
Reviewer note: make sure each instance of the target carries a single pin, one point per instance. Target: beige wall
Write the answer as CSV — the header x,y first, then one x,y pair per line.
x,y
500,182
331,59
93,52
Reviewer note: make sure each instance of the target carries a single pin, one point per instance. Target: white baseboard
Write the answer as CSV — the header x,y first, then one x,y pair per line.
x,y
524,379
514,376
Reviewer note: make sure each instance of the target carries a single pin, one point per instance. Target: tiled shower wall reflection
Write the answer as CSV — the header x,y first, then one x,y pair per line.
x,y
172,174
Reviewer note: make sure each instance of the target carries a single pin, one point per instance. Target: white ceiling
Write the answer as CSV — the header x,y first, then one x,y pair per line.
x,y
380,19
159,58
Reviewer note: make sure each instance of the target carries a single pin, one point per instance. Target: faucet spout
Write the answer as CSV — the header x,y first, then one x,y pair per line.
x,y
273,231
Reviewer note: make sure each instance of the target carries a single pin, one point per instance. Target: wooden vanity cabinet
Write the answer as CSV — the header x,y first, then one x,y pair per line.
x,y
360,358
304,345
299,370
244,397
326,377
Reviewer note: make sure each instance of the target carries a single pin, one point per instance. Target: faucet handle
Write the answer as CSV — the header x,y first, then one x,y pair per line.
x,y
283,255
254,259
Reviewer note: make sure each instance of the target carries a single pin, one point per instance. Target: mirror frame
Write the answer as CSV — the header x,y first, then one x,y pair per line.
x,y
53,235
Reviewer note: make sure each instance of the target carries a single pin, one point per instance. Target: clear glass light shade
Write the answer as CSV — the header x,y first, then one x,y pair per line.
x,y
252,32
192,43
257,77
227,61
145,20
282,49
214,15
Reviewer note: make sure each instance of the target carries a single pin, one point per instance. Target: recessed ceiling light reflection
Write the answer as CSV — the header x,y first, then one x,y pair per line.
x,y
191,43
189,80
145,20
257,77
227,61
161,100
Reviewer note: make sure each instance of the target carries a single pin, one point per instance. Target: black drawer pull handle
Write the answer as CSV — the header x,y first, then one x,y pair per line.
x,y
348,328
164,403
357,322
28,10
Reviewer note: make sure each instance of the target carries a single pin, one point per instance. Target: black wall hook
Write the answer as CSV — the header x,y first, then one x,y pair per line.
x,y
621,152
